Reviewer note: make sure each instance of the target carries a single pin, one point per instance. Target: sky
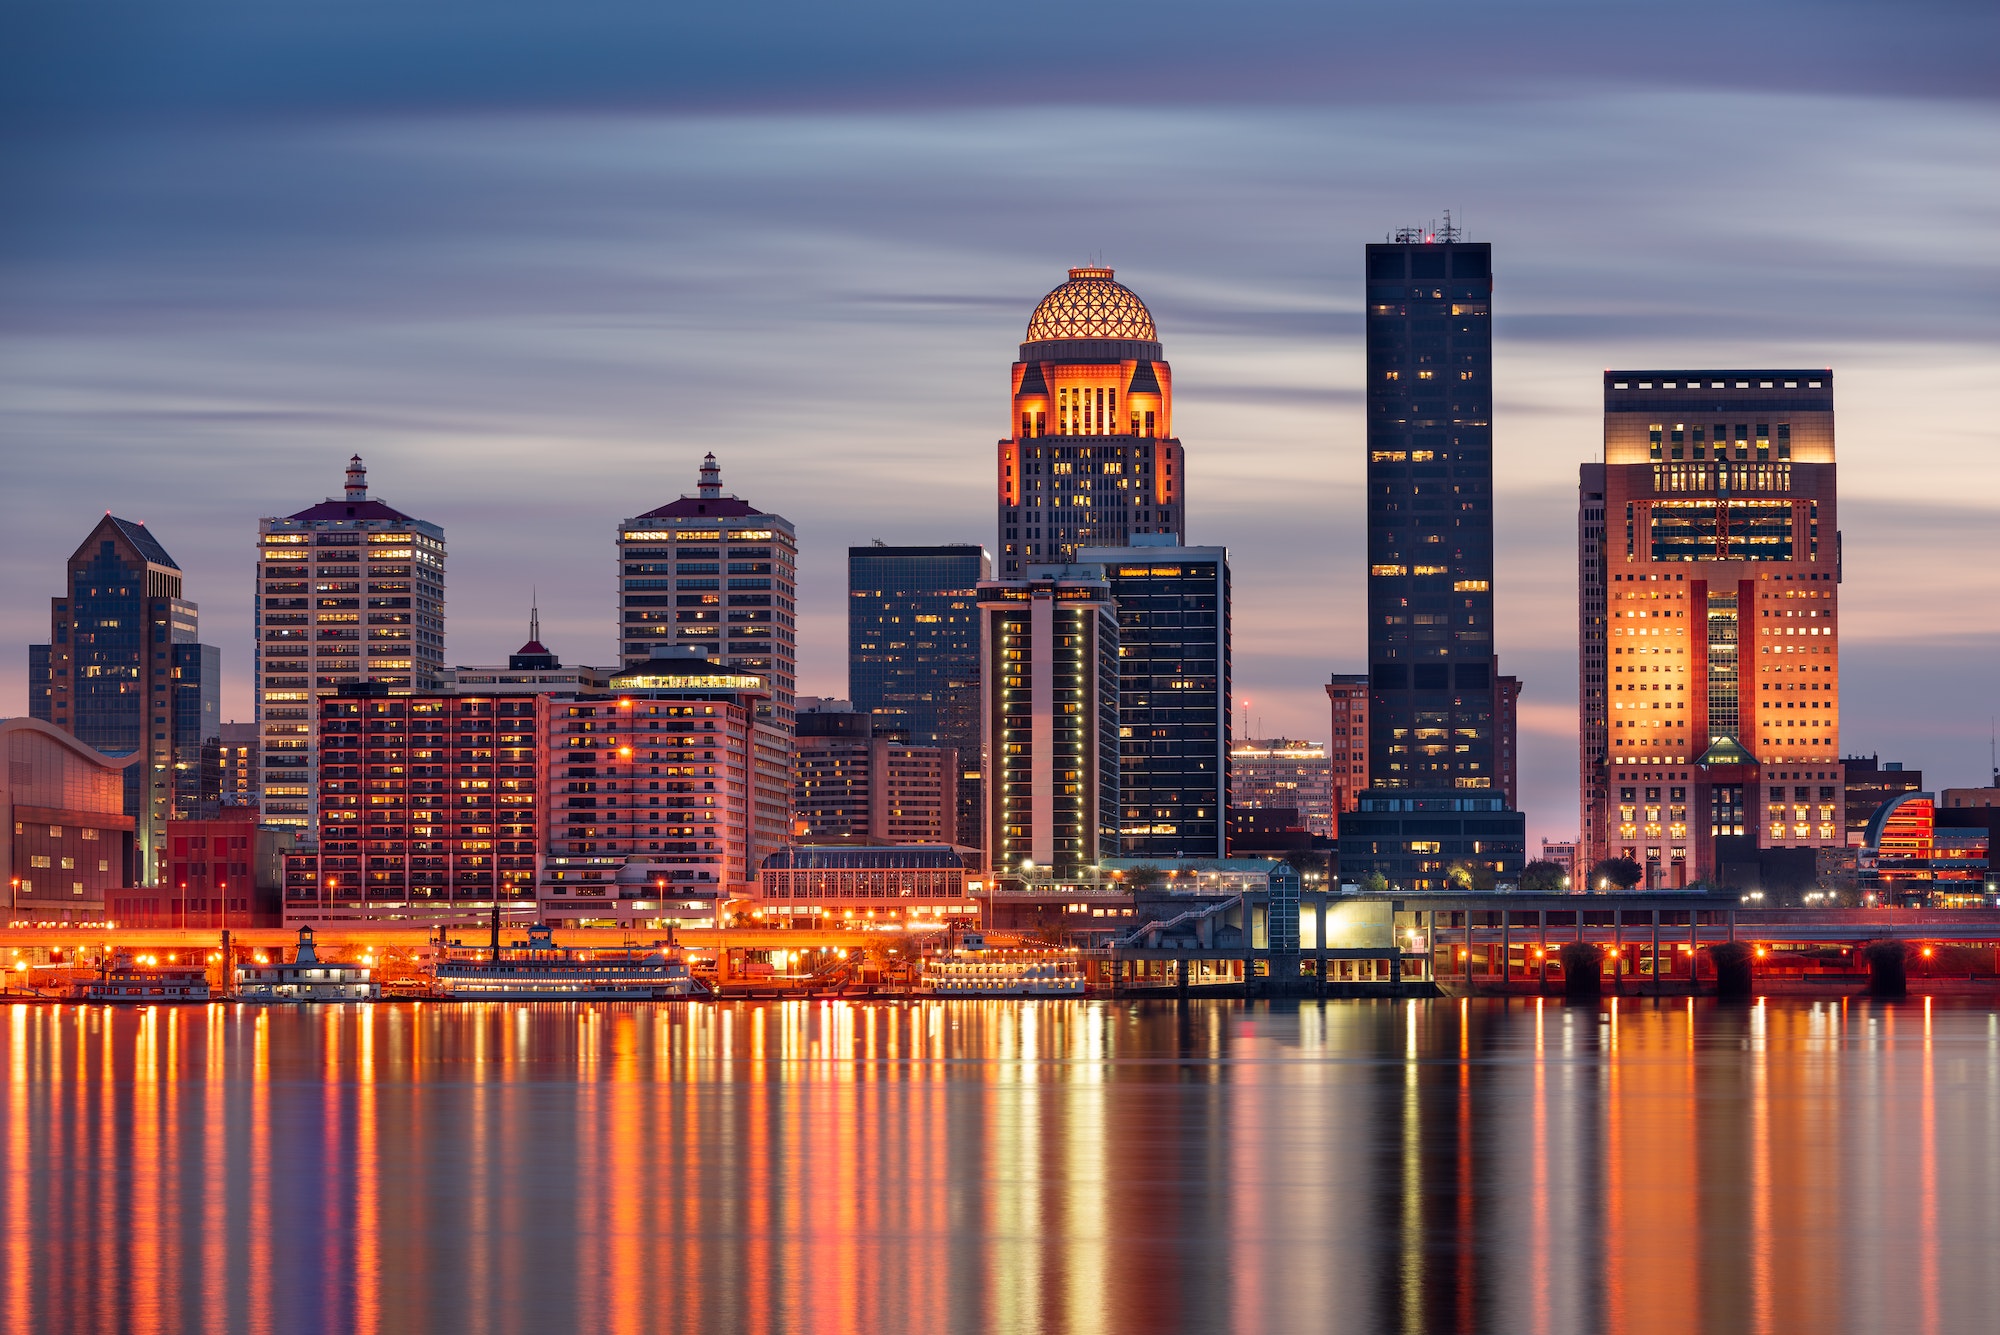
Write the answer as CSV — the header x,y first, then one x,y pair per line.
x,y
532,260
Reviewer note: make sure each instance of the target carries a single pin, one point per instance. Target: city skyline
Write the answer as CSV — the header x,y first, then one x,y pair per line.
x,y
215,402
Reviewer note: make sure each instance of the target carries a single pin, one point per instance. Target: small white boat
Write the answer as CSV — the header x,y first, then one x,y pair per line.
x,y
538,969
142,980
974,970
306,978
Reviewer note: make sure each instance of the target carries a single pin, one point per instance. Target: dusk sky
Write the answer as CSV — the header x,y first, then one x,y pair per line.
x,y
532,260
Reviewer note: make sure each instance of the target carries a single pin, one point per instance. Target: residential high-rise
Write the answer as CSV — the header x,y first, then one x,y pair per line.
x,y
1347,696
1049,710
1433,704
348,590
1173,695
660,794
855,780
127,674
239,756
1715,742
1091,457
429,807
913,652
711,573
1283,773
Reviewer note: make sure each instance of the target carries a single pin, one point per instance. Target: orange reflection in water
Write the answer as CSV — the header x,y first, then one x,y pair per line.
x,y
1066,1167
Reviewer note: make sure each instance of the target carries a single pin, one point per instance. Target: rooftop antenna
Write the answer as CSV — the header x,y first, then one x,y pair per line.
x,y
534,614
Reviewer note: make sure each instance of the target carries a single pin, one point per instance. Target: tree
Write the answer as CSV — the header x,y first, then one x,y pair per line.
x,y
1467,877
1615,874
1542,877
1143,877
1306,862
1375,883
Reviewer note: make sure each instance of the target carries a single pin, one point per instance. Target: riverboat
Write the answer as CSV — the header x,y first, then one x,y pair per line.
x,y
974,970
538,969
142,980
306,977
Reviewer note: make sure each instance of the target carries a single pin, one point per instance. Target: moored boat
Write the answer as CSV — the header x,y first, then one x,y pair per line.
x,y
973,970
538,969
306,978
143,980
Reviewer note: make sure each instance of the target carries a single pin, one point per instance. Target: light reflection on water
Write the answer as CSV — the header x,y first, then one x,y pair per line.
x,y
969,1166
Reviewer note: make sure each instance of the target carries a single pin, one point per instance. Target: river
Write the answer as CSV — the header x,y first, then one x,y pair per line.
x,y
1365,1166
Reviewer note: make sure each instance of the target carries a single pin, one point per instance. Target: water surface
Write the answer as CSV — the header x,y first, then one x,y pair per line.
x,y
1003,1166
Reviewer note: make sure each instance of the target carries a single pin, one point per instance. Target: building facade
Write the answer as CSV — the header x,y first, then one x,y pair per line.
x,y
809,885
1434,680
66,844
1432,841
1174,715
1050,720
660,794
1090,458
1719,556
429,807
1284,774
1869,782
1907,857
349,590
1347,751
128,675
239,754
223,870
913,653
855,781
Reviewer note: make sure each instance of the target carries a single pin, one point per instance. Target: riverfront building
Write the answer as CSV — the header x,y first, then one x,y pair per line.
x,y
1173,695
854,780
658,788
66,844
1709,576
1908,857
820,885
128,675
1049,711
349,590
1869,782
1090,458
428,806
913,653
1280,773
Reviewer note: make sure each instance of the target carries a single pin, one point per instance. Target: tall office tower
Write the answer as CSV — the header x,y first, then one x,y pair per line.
x,y
1049,715
1430,514
1173,695
712,573
1593,689
1506,732
349,590
1347,694
128,674
1092,459
855,780
1720,556
913,653
1282,773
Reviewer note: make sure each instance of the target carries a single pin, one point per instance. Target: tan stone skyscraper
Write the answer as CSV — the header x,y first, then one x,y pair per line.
x,y
1709,577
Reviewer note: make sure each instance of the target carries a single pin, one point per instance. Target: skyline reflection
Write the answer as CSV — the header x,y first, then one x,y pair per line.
x,y
1002,1166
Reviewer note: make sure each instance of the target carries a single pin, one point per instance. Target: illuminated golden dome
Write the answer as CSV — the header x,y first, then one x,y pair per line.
x,y
1091,305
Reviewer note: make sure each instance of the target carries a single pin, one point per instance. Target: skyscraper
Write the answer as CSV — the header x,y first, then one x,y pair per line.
x,y
1436,814
1709,573
1092,459
127,674
1432,670
1173,695
913,652
1049,710
348,589
711,572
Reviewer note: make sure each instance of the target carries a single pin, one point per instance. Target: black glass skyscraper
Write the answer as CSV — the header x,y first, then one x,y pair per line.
x,y
913,651
1430,514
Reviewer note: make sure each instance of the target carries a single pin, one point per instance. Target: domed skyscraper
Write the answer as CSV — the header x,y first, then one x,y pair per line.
x,y
1092,457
